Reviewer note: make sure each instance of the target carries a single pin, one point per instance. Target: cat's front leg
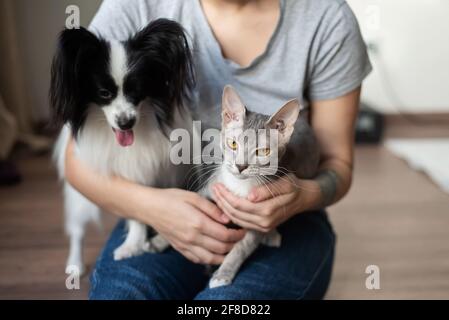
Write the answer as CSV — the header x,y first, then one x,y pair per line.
x,y
135,243
158,244
235,258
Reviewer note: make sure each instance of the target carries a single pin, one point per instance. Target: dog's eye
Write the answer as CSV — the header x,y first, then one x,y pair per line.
x,y
105,94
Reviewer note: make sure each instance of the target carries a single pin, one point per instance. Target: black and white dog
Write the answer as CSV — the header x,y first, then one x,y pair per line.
x,y
119,100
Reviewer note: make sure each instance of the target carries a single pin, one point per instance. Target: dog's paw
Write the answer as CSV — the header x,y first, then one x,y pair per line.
x,y
126,251
220,281
75,268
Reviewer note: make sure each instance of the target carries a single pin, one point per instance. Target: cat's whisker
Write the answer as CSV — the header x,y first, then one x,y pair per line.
x,y
202,164
200,176
206,156
290,180
196,175
265,185
207,181
197,167
285,169
190,176
268,184
286,176
286,173
275,199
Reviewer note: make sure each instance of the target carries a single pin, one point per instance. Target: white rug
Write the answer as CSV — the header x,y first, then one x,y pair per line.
x,y
428,155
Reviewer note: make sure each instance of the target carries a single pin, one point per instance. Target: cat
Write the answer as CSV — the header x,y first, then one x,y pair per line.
x,y
297,152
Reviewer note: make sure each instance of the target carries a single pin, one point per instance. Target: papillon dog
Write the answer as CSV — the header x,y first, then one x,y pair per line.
x,y
119,101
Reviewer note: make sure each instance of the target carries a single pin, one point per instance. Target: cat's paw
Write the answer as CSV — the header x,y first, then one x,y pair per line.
x,y
127,251
151,249
157,244
272,239
220,281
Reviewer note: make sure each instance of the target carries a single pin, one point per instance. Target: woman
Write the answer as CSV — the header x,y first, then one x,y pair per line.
x,y
271,51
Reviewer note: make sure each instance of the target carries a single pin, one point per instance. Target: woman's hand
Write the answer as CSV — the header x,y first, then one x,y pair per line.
x,y
269,205
192,224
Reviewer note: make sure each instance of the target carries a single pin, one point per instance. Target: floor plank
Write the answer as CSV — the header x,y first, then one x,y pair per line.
x,y
33,247
393,217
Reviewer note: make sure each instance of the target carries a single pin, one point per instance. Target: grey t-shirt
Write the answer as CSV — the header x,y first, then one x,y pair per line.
x,y
315,53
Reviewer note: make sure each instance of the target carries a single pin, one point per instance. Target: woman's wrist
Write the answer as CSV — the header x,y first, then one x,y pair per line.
x,y
142,203
309,197
114,194
324,190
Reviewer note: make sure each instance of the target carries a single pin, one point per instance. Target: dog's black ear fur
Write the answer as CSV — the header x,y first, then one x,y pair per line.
x,y
74,58
163,48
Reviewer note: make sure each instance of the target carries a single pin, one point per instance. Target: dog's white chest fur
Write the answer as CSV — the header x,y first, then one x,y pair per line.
x,y
146,162
141,162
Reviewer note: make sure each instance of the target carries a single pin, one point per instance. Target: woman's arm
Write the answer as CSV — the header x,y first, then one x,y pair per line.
x,y
192,224
333,122
104,191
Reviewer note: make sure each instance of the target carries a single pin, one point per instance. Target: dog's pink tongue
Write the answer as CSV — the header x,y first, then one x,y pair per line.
x,y
124,138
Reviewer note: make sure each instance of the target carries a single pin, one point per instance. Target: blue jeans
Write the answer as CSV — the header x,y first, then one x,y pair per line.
x,y
299,269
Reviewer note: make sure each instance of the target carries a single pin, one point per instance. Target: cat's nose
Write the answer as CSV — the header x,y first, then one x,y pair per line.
x,y
240,168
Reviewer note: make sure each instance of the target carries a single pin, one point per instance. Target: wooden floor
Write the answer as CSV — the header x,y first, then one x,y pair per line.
x,y
394,218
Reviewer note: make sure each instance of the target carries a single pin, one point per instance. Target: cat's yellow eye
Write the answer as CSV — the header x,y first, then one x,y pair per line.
x,y
232,144
263,152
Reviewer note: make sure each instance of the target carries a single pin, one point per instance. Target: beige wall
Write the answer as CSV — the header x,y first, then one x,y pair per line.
x,y
38,23
412,38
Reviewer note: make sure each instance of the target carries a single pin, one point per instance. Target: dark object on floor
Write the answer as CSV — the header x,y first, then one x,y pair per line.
x,y
369,126
9,175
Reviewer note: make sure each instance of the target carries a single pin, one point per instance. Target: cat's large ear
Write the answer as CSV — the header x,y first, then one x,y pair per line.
x,y
233,108
284,120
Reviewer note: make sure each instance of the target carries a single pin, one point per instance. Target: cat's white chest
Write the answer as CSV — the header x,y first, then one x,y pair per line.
x,y
239,187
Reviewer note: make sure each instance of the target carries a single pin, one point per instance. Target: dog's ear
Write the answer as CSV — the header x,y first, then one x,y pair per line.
x,y
164,48
71,62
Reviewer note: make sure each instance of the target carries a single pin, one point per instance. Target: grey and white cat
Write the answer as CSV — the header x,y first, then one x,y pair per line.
x,y
246,159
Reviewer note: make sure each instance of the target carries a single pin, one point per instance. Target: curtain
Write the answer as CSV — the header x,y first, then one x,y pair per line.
x,y
15,111
8,131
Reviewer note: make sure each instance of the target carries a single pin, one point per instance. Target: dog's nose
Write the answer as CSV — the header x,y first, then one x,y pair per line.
x,y
126,123
240,168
